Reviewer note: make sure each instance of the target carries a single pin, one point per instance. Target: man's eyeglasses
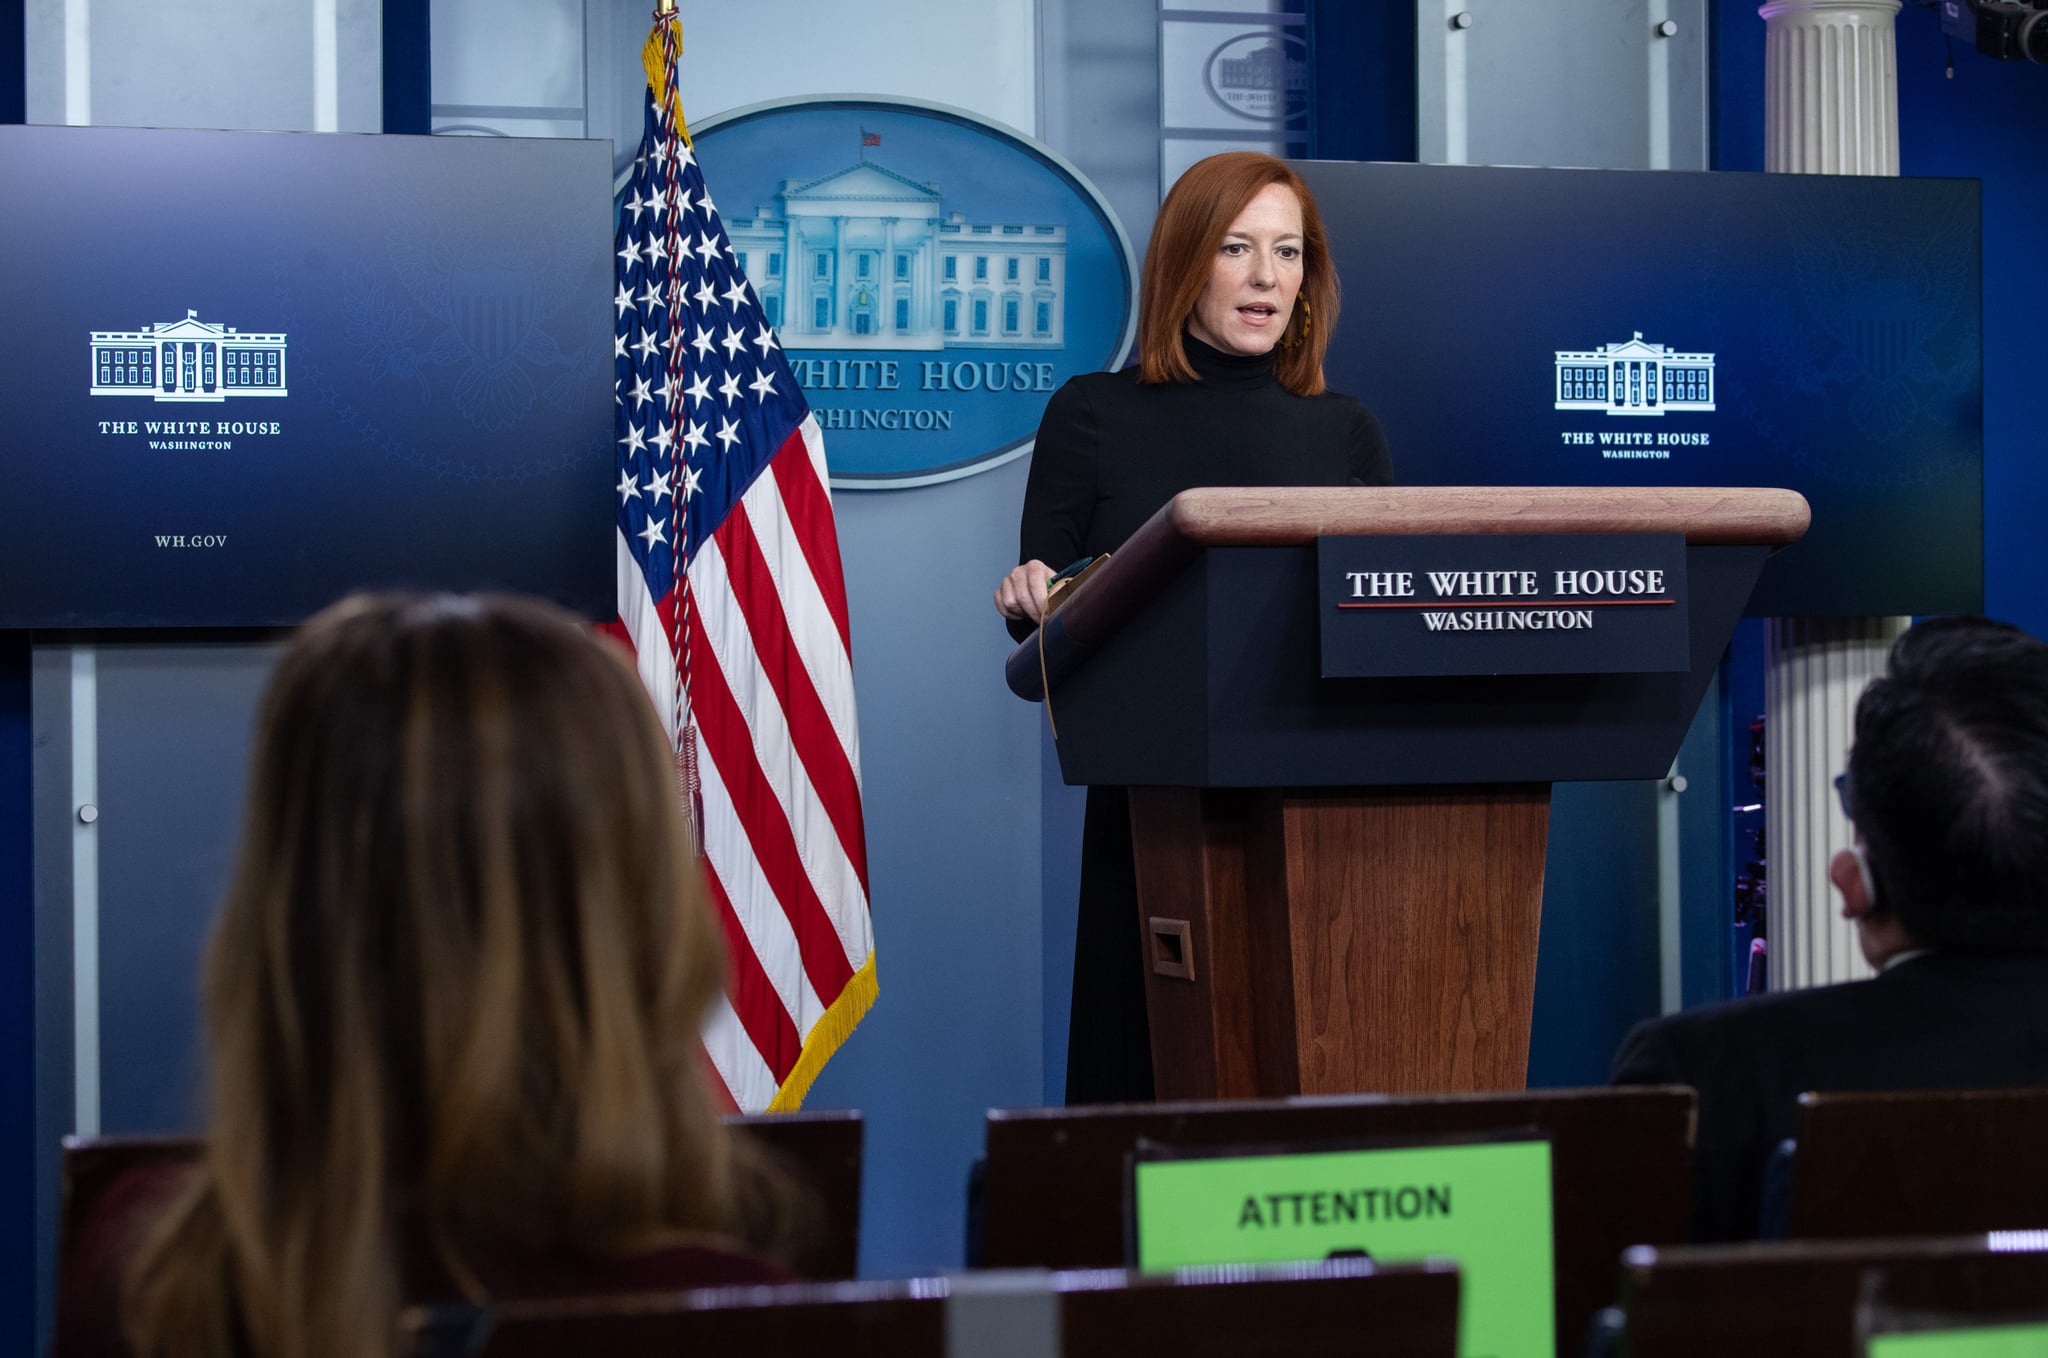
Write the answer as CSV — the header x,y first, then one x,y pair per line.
x,y
1842,794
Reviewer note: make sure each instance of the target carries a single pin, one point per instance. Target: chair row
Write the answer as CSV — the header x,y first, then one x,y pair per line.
x,y
1055,1183
1321,1310
1785,1299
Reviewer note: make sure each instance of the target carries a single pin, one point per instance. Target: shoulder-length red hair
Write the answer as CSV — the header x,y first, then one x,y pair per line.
x,y
1185,238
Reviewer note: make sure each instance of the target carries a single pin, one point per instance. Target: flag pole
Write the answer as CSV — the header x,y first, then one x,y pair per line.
x,y
664,45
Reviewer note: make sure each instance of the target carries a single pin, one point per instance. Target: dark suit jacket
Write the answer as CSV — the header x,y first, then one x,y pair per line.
x,y
1939,1021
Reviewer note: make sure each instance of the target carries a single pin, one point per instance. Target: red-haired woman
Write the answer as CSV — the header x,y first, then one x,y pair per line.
x,y
1236,306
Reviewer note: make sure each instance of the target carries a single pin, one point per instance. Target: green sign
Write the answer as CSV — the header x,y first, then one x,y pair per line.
x,y
1486,1205
1988,1341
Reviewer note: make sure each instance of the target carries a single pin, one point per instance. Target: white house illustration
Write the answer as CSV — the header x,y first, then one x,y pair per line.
x,y
1257,83
188,360
1634,378
864,259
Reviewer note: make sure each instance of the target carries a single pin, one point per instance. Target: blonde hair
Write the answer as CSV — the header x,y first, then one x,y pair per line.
x,y
1186,235
453,996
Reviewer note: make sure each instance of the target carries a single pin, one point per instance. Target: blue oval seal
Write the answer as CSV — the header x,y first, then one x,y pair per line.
x,y
933,276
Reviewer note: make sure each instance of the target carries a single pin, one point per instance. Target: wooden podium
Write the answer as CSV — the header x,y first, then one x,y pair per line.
x,y
1340,880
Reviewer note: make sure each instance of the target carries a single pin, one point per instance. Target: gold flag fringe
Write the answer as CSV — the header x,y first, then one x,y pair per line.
x,y
826,1036
657,76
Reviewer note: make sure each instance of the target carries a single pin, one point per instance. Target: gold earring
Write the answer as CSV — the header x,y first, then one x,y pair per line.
x,y
1307,321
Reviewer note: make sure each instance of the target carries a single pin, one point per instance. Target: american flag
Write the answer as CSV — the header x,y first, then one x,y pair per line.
x,y
731,596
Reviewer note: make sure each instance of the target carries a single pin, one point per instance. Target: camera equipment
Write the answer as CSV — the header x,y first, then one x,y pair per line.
x,y
2010,30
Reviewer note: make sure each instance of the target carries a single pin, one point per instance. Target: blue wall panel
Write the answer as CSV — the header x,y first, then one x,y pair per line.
x,y
1596,958
950,785
1362,79
13,61
1984,123
408,68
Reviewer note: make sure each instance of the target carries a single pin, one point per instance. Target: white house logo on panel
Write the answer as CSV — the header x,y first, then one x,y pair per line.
x,y
188,360
1262,76
1634,377
933,276
866,258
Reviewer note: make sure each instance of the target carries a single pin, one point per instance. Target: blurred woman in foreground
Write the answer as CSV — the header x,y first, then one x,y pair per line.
x,y
452,1005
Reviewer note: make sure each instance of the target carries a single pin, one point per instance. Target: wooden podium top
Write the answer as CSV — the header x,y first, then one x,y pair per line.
x,y
1284,516
1290,515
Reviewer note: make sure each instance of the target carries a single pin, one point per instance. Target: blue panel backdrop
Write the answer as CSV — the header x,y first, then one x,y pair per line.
x,y
1984,122
17,1036
13,61
1980,122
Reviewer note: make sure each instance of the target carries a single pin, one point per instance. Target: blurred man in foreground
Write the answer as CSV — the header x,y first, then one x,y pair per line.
x,y
1947,883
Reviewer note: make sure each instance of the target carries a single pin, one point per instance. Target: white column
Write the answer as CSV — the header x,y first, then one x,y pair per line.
x,y
1816,669
78,62
1831,106
85,890
796,287
841,266
885,289
1831,89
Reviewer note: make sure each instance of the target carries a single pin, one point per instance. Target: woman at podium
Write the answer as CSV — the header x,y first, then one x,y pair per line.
x,y
1236,306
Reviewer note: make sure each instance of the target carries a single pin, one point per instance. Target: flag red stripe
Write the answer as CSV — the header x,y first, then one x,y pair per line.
x,y
723,729
810,514
753,998
748,989
715,1082
810,726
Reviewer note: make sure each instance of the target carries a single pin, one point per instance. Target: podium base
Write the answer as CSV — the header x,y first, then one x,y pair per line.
x,y
1333,941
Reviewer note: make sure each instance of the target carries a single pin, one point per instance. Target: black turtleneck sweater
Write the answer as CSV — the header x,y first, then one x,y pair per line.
x,y
1112,450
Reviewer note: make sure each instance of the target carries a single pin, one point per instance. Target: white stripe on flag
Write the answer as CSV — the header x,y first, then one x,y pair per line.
x,y
811,627
747,1077
651,655
814,444
754,904
818,845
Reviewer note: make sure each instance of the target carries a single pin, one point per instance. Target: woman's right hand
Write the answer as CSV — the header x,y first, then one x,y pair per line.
x,y
1022,593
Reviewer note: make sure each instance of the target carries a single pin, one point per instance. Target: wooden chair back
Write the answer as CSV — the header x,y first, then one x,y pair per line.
x,y
1781,1298
820,1151
1621,1169
1343,1307
1935,1162
89,1164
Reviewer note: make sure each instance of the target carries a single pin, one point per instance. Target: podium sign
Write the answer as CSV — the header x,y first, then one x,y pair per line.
x,y
1484,1204
1964,1341
1582,603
